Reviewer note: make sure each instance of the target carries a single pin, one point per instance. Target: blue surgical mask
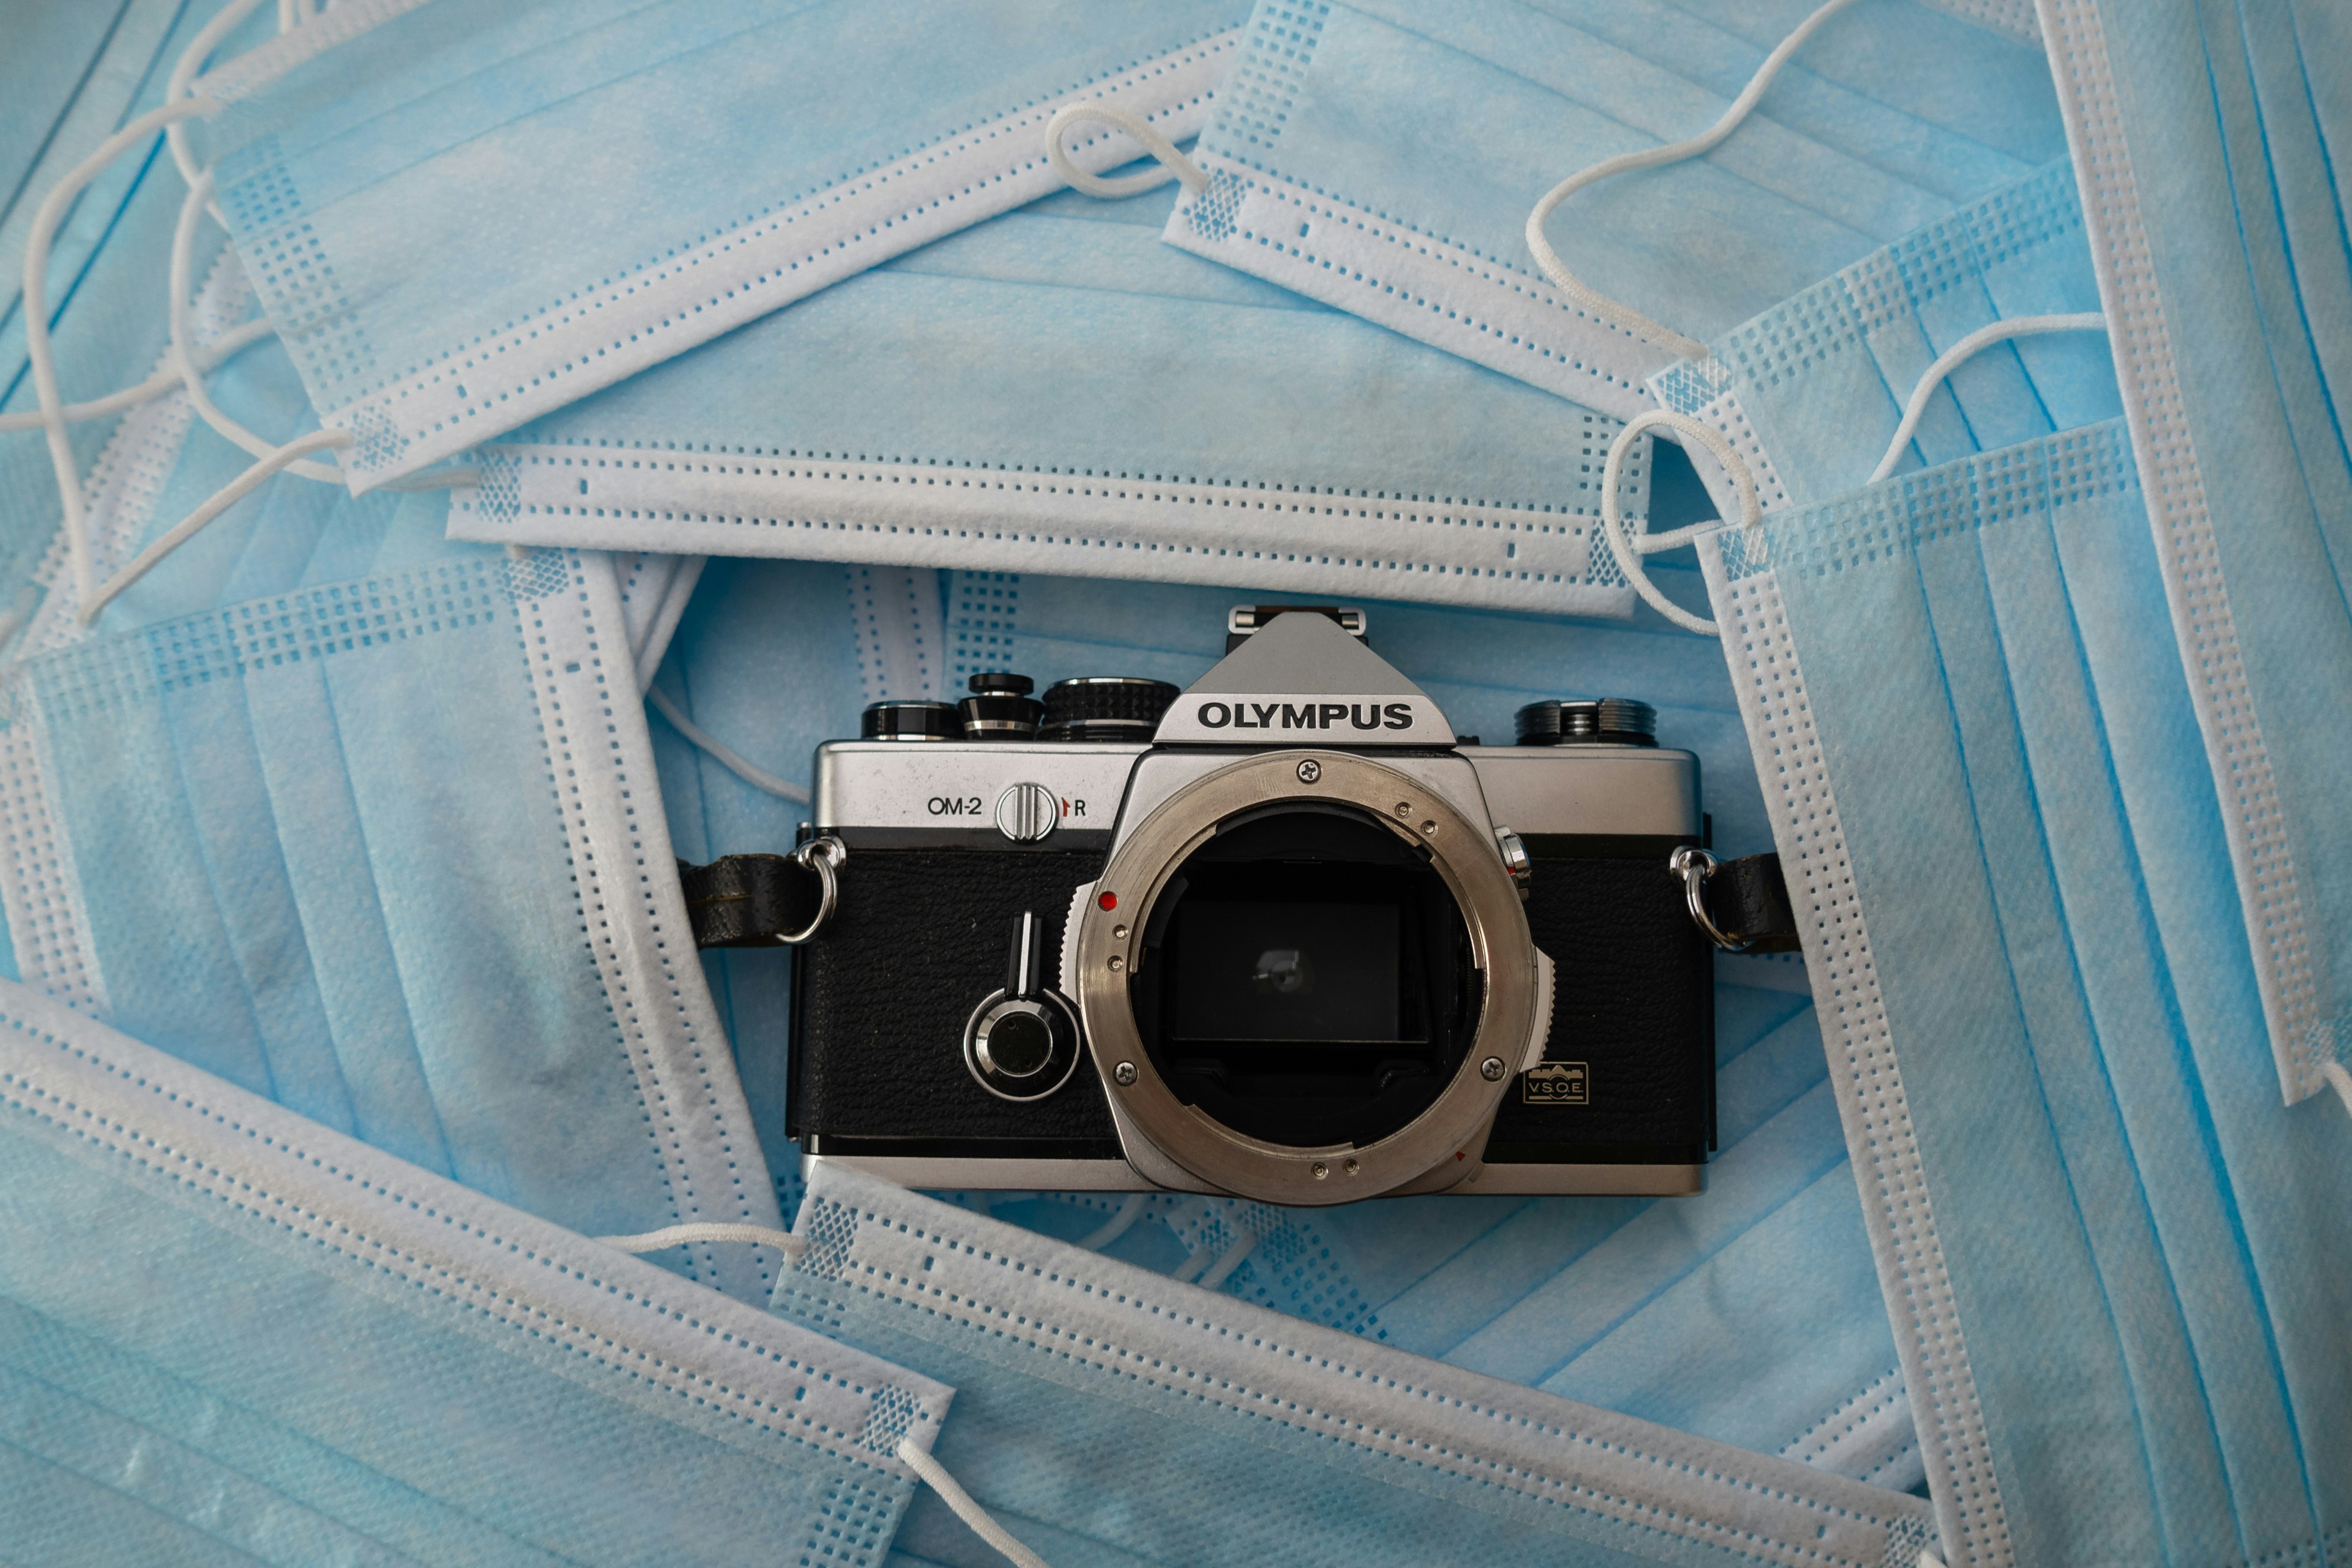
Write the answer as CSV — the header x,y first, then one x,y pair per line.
x,y
2118,1270
1750,1315
344,813
686,167
228,1333
1055,391
106,270
1106,1414
2212,179
1810,392
1383,159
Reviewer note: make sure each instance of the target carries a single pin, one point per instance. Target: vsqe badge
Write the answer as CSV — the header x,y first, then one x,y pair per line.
x,y
1557,1083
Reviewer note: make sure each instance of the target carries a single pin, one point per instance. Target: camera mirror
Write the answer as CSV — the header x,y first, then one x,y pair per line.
x,y
1308,978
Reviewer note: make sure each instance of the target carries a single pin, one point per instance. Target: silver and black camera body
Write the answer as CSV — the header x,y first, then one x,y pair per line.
x,y
1283,935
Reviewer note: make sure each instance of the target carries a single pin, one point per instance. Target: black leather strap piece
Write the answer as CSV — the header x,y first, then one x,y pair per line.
x,y
748,900
1749,902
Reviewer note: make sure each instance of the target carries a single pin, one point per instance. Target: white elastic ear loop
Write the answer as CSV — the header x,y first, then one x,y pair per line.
x,y
1967,348
1592,298
184,74
184,237
46,219
2339,1079
935,1475
724,755
219,501
1628,548
1177,166
210,356
1119,1224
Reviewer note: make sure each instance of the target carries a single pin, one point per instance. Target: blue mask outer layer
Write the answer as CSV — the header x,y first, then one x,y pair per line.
x,y
462,216
1750,1315
1107,1416
2118,1270
1383,158
107,272
2211,151
1055,391
1810,392
349,815
229,1335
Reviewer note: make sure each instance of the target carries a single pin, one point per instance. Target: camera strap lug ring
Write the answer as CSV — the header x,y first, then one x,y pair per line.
x,y
751,901
1758,892
819,855
1695,866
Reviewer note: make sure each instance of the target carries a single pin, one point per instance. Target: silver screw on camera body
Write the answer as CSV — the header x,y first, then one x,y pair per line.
x,y
1310,770
1124,1074
1491,1068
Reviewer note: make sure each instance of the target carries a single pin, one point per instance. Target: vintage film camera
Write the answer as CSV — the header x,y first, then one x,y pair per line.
x,y
1284,935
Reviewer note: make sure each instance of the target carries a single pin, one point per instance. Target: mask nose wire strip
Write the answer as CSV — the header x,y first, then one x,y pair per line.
x,y
218,353
1178,166
2341,1080
1951,359
200,196
935,1475
702,1231
1617,315
38,349
1629,549
751,773
1119,1224
219,501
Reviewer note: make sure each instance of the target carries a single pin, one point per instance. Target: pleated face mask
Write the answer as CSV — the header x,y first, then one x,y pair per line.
x,y
229,1335
1055,391
1105,1415
1877,369
1383,159
110,253
462,216
345,814
2118,1270
2210,150
1748,1315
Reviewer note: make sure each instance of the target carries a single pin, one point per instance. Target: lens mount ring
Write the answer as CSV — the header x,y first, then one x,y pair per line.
x,y
1062,1056
1110,940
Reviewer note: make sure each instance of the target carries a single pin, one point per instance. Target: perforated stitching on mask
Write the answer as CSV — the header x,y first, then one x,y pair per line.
x,y
2170,476
1510,334
439,1277
1160,1371
1863,1066
286,628
854,1526
606,877
576,520
1256,98
297,283
754,271
2039,210
1971,493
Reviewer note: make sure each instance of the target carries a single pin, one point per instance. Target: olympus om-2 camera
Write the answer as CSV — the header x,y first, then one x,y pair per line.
x,y
1283,935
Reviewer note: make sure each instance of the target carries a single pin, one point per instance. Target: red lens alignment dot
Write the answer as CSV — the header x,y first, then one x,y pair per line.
x,y
1106,901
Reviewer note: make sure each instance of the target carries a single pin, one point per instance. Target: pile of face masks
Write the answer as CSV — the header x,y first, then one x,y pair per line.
x,y
458,461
